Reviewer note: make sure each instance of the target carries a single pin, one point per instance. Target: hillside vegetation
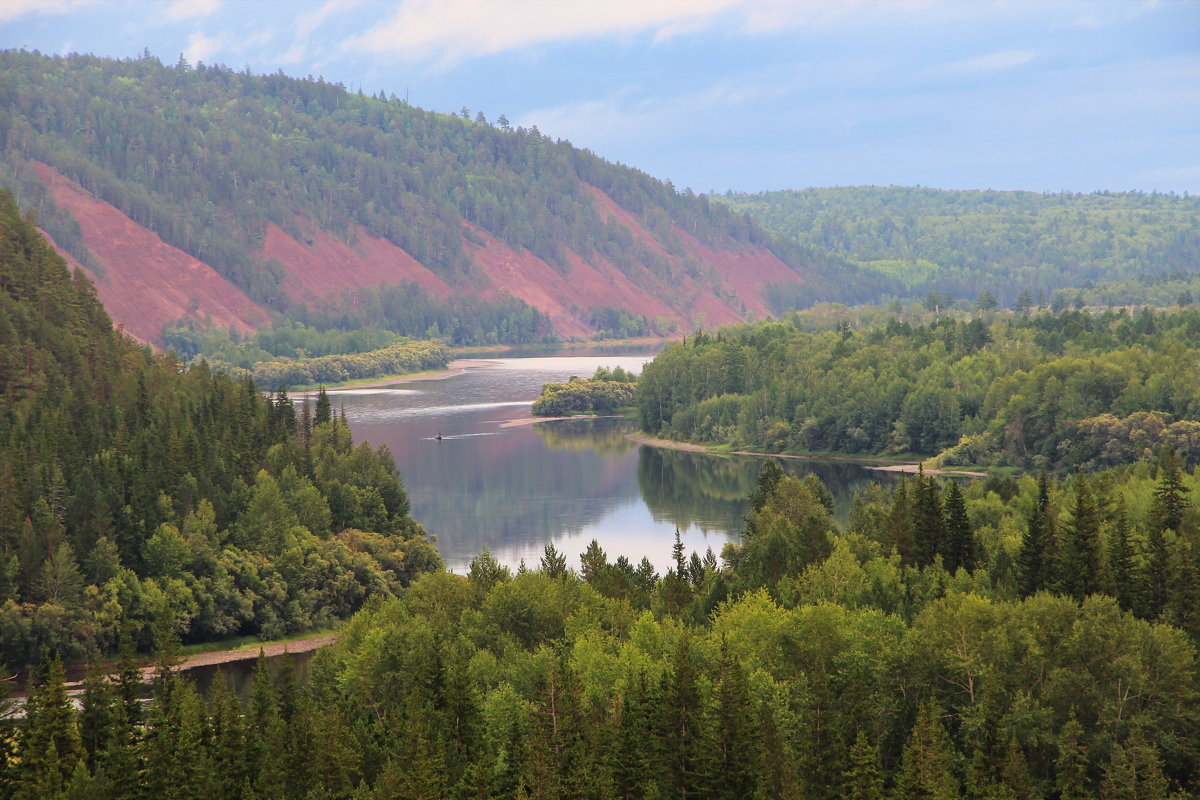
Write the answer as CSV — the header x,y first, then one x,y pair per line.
x,y
134,490
1031,391
954,643
216,162
961,243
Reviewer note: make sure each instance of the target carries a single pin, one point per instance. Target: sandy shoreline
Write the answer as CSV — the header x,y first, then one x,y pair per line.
x,y
871,463
456,367
247,653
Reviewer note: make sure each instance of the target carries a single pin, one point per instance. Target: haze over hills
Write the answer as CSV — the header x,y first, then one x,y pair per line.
x,y
1117,247
222,197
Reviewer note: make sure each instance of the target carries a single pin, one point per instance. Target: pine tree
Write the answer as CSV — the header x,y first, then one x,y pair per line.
x,y
554,564
960,539
927,772
768,479
929,524
863,781
1034,560
1071,765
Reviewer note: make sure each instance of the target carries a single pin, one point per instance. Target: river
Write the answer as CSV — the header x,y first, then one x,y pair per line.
x,y
513,488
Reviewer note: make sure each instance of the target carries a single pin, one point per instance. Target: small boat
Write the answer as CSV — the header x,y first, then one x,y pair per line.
x,y
438,437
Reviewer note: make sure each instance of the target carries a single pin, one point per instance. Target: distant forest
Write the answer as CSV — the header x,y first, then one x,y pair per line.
x,y
1107,248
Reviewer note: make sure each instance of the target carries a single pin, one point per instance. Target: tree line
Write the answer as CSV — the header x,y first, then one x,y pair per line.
x,y
1073,389
130,484
1111,248
809,661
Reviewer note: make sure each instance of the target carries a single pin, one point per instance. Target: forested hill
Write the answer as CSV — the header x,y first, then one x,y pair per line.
x,y
135,493
1111,245
222,194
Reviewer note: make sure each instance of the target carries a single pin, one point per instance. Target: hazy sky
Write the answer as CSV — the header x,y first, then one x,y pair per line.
x,y
742,94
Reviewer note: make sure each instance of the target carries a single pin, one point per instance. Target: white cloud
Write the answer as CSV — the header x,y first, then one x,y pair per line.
x,y
452,30
306,24
190,9
200,48
15,9
625,116
980,65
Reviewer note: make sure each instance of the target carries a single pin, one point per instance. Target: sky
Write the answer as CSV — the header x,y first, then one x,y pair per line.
x,y
748,95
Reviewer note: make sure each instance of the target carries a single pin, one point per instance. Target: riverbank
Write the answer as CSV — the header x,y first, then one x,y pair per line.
x,y
456,367
246,652
878,464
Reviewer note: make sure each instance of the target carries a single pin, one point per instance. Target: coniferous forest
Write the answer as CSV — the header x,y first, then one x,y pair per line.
x,y
1009,637
130,484
1029,635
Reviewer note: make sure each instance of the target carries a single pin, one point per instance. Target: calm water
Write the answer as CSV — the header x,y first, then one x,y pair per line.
x,y
513,488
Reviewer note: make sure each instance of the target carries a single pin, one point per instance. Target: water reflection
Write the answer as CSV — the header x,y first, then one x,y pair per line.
x,y
512,488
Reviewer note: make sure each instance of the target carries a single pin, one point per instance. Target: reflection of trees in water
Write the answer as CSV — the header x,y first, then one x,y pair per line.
x,y
605,435
515,489
710,491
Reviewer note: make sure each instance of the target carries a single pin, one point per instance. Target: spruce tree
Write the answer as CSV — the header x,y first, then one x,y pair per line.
x,y
929,523
1070,767
1120,561
862,779
927,772
900,524
1034,560
960,539
1170,501
1078,562
736,731
324,409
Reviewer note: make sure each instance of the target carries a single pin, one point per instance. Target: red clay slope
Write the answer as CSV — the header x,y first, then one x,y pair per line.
x,y
146,282
324,265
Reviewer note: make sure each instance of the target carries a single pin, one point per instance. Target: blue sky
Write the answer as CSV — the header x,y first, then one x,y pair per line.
x,y
1045,95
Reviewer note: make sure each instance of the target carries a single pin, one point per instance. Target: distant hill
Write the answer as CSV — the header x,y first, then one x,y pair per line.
x,y
223,197
960,243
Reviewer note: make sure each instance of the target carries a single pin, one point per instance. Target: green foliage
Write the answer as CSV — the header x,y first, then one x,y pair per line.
x,y
847,673
1115,248
1072,390
130,484
605,391
208,158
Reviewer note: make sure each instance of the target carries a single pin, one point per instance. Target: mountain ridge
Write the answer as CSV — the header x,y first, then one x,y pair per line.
x,y
294,191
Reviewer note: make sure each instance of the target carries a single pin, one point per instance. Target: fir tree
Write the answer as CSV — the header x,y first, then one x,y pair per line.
x,y
1071,766
862,779
929,524
1034,560
927,772
960,539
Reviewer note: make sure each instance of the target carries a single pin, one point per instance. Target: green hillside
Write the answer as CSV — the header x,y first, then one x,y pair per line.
x,y
961,243
206,157
132,488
